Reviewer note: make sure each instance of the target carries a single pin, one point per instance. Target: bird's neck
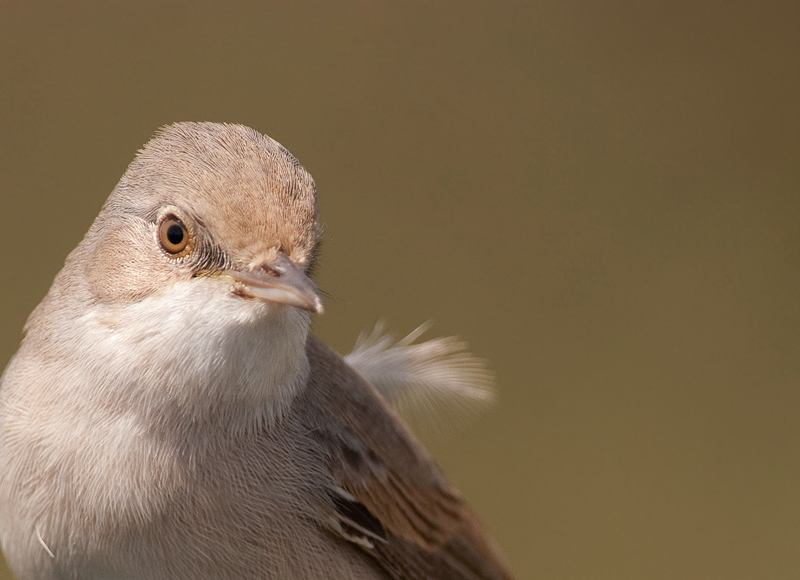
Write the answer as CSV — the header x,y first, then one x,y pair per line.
x,y
186,359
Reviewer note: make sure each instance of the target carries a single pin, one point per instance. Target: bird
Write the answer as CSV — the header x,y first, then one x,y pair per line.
x,y
169,414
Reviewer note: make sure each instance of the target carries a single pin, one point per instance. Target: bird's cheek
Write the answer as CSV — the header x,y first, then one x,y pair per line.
x,y
126,265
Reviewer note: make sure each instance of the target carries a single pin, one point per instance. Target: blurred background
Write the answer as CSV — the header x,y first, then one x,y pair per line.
x,y
602,198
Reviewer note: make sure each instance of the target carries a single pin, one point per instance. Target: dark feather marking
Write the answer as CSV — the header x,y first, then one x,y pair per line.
x,y
358,514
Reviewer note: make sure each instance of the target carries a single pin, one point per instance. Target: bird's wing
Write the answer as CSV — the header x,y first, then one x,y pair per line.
x,y
387,495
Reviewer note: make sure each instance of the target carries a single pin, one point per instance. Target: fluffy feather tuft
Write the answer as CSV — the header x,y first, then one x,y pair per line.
x,y
420,380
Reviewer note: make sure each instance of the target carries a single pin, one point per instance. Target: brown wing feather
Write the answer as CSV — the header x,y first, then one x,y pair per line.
x,y
428,531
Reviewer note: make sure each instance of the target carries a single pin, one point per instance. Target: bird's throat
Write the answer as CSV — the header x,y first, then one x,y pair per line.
x,y
194,355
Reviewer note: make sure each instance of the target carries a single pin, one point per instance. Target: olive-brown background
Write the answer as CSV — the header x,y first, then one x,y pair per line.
x,y
603,198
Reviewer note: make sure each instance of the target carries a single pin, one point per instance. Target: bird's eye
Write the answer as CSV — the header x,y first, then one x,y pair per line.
x,y
174,237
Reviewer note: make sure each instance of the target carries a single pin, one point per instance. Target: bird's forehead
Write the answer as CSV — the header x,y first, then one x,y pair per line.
x,y
253,204
246,189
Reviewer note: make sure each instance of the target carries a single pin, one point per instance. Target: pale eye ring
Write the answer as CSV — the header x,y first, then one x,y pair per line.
x,y
174,237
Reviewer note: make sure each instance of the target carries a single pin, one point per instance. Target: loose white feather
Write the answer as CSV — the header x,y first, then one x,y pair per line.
x,y
420,380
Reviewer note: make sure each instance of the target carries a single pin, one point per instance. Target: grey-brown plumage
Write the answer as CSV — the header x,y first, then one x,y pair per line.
x,y
168,414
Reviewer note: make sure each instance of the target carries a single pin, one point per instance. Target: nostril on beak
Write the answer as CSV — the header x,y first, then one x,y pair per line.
x,y
272,270
282,265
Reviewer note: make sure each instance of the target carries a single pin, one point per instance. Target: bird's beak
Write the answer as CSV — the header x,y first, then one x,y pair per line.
x,y
279,280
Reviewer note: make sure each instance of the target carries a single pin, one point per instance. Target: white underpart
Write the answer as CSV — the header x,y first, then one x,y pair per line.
x,y
151,380
199,347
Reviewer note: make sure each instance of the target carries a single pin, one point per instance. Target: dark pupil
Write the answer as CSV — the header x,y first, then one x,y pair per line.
x,y
175,234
